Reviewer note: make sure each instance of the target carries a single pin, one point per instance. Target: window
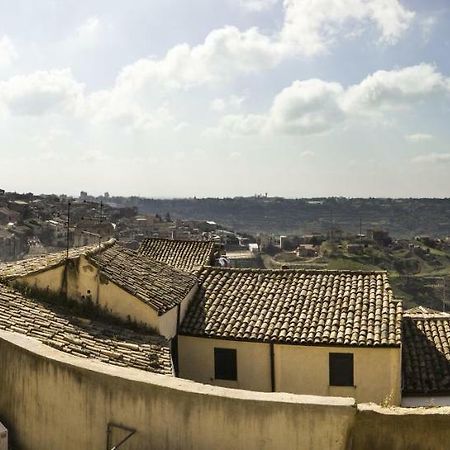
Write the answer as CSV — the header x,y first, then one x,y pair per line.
x,y
225,366
341,369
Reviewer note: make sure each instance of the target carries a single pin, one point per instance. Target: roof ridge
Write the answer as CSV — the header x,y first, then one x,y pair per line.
x,y
291,270
209,241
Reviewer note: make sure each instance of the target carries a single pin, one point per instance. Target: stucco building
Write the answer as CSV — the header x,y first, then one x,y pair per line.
x,y
331,333
306,332
132,287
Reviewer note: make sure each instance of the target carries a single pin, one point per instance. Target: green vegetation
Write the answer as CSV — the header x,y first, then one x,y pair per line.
x,y
83,309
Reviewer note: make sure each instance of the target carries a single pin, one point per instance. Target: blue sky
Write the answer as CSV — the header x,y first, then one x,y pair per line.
x,y
226,97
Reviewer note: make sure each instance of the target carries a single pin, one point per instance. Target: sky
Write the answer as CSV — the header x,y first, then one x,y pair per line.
x,y
182,98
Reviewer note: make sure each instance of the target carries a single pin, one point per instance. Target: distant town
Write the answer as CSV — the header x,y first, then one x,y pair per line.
x,y
419,265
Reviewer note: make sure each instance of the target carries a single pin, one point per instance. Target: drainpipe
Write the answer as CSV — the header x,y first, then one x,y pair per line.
x,y
272,366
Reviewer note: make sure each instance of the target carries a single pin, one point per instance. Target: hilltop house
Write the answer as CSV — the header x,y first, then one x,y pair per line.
x,y
307,332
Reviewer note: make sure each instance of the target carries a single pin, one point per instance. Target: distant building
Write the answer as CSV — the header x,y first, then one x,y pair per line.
x,y
307,250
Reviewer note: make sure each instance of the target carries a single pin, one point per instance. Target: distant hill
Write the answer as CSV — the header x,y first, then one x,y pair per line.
x,y
403,218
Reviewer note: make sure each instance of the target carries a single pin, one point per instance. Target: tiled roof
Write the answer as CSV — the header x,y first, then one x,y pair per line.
x,y
426,352
295,307
157,284
10,271
82,337
185,255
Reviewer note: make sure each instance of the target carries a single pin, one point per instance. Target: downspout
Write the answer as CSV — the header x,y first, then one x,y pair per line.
x,y
174,343
272,366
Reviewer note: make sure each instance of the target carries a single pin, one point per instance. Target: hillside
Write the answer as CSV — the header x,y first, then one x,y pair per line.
x,y
404,218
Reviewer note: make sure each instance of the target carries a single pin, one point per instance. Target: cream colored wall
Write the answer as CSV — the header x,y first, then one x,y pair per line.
x,y
40,385
118,301
51,279
167,323
83,281
196,362
305,369
298,369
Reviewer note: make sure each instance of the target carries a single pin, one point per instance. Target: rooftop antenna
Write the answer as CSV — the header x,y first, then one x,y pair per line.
x,y
100,221
68,230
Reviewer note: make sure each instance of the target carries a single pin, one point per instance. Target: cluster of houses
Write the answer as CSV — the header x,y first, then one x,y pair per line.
x,y
168,307
35,224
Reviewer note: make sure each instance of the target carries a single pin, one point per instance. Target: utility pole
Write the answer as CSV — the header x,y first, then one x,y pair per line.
x,y
68,229
100,222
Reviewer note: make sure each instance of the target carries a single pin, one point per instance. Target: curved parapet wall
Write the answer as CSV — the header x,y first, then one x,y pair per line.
x,y
53,401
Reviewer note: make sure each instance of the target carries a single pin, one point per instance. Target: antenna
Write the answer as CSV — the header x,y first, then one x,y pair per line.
x,y
68,229
100,221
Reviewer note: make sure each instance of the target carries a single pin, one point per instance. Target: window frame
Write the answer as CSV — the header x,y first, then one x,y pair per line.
x,y
228,358
339,379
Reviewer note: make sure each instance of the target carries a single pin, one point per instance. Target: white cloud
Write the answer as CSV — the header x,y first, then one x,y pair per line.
x,y
42,92
225,53
8,53
257,5
395,89
309,27
88,32
243,124
427,26
306,107
419,137
314,106
226,104
432,158
93,155
121,110
313,26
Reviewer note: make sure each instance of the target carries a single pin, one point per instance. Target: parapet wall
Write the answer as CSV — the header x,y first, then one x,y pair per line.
x,y
54,401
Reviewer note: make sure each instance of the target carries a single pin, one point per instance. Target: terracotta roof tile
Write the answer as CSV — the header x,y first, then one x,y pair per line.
x,y
426,351
81,337
157,284
185,255
295,307
12,270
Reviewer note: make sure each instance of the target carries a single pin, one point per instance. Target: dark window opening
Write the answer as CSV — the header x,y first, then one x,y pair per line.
x,y
225,365
341,369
